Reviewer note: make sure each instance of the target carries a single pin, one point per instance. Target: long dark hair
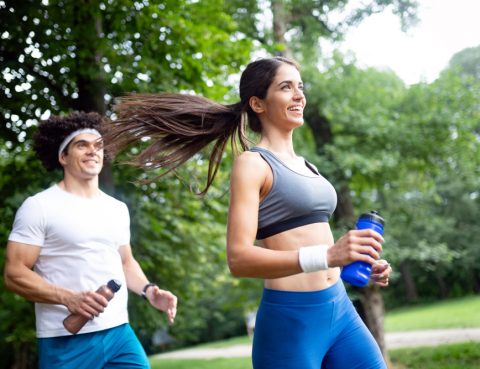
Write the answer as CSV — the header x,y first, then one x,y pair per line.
x,y
180,125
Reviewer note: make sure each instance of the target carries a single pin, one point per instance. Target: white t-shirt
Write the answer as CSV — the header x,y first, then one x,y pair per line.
x,y
79,239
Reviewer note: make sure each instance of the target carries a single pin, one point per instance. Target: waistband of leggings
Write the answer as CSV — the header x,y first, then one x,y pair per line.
x,y
334,292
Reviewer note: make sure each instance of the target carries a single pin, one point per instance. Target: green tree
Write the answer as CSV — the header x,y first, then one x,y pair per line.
x,y
306,22
57,56
467,62
435,198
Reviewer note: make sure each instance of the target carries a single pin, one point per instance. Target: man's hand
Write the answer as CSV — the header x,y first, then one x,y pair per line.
x,y
87,303
164,301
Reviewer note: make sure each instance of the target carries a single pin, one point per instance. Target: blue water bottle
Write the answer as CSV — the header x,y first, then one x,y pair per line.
x,y
358,272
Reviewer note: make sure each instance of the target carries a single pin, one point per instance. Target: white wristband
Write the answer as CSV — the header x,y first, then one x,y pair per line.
x,y
313,258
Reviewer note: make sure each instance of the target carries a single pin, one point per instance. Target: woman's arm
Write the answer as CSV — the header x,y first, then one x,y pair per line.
x,y
249,174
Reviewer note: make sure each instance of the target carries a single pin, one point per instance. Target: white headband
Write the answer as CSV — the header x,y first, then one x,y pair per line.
x,y
69,138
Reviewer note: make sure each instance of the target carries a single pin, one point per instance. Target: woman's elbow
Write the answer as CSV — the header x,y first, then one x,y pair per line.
x,y
236,265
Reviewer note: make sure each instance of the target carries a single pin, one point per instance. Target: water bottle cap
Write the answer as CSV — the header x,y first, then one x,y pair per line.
x,y
374,216
114,285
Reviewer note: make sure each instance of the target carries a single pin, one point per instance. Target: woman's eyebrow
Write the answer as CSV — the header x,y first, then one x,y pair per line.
x,y
287,81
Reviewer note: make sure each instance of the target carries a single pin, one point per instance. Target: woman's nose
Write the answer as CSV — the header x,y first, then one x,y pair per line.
x,y
298,94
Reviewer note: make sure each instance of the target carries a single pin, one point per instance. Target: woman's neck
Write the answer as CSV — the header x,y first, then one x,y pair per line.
x,y
279,144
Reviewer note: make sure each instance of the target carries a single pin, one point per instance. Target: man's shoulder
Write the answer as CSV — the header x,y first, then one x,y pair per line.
x,y
46,194
113,200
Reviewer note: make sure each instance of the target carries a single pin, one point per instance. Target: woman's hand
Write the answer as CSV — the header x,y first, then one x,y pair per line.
x,y
356,245
381,272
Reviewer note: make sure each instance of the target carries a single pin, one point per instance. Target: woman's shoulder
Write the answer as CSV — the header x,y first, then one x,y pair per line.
x,y
250,160
249,164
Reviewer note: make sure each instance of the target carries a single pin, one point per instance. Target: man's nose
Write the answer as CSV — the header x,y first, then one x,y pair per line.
x,y
92,149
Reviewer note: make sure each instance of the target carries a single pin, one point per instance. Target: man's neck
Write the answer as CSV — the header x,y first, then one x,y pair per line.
x,y
87,188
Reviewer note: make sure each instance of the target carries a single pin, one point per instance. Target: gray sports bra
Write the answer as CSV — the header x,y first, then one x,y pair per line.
x,y
295,199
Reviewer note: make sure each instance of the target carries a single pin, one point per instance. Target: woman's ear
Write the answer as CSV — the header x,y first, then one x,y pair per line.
x,y
256,104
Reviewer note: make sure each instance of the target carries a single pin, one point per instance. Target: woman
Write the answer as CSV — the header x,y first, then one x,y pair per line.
x,y
305,319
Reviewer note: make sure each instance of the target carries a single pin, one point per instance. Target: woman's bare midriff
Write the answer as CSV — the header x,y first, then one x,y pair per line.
x,y
293,239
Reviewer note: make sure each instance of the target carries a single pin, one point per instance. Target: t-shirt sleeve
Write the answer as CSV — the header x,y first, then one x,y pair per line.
x,y
29,224
124,221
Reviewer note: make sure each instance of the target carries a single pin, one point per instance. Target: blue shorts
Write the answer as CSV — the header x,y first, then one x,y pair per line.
x,y
117,347
312,330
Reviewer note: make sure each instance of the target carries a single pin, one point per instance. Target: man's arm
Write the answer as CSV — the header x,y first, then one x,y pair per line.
x,y
136,281
21,279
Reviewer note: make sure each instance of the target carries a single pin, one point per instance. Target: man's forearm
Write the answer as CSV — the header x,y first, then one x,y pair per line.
x,y
30,285
134,276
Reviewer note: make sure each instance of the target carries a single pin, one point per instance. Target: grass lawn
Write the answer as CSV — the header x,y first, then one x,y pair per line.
x,y
457,356
226,343
233,363
458,313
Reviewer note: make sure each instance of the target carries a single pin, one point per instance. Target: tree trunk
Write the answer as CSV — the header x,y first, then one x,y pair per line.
x,y
476,281
374,312
443,287
280,23
410,286
23,357
91,80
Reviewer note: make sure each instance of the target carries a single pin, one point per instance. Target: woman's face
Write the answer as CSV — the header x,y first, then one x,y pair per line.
x,y
284,103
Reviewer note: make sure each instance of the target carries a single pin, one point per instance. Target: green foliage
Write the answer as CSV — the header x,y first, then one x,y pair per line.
x,y
57,56
20,177
411,153
178,238
467,62
360,108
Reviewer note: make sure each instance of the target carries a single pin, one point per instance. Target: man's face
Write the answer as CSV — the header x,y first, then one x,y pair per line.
x,y
84,159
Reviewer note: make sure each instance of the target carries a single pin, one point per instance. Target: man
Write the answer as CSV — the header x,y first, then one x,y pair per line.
x,y
76,238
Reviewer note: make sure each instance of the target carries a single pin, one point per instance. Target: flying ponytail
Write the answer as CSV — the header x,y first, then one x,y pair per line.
x,y
179,126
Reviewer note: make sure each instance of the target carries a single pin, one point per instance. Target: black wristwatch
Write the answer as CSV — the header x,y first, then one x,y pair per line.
x,y
144,291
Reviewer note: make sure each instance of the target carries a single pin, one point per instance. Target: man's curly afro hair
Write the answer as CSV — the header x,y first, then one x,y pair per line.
x,y
52,132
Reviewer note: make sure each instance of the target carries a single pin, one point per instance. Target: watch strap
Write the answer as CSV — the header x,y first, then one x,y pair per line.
x,y
145,288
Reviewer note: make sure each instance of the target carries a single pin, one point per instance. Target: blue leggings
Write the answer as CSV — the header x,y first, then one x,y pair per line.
x,y
117,348
312,330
